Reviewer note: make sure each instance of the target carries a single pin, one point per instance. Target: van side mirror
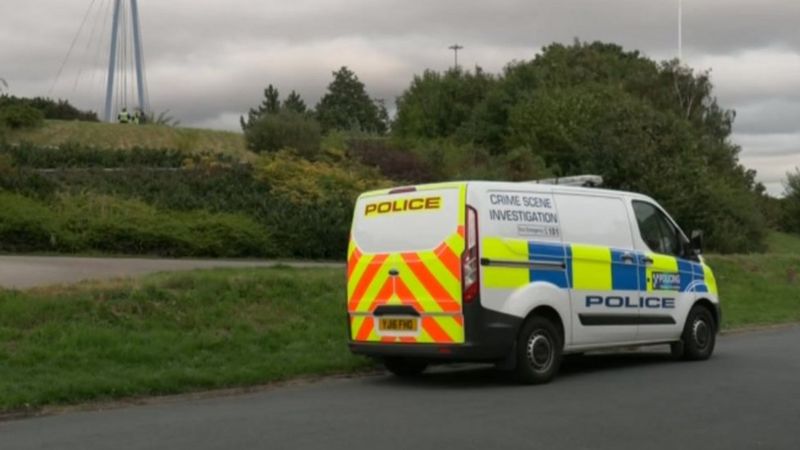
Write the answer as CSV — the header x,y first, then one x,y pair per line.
x,y
697,241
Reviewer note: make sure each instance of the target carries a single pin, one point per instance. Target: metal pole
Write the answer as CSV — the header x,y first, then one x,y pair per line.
x,y
680,30
137,47
112,60
455,48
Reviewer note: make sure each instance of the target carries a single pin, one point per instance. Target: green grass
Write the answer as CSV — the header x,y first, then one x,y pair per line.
x,y
170,333
783,243
119,136
179,332
758,289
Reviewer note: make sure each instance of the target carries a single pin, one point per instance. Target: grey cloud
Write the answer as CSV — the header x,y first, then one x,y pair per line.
x,y
208,61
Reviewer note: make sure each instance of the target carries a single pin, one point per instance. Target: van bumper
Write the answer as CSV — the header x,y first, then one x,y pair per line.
x,y
490,337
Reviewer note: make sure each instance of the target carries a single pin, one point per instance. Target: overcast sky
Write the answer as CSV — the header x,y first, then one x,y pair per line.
x,y
208,61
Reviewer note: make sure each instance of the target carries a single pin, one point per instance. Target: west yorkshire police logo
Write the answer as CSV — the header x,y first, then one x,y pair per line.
x,y
666,281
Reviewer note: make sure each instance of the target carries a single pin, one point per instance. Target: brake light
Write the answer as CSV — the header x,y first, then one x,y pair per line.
x,y
469,259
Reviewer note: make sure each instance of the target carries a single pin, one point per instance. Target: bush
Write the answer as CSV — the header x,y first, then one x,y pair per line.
x,y
90,223
285,129
52,109
21,116
391,160
75,155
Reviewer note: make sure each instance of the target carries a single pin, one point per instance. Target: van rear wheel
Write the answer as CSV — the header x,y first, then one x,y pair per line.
x,y
538,351
405,367
699,334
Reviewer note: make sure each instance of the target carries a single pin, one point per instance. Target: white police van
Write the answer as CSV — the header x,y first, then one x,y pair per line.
x,y
520,274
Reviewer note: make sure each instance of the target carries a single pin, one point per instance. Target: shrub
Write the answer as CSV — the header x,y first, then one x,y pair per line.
x,y
285,129
391,160
21,116
107,224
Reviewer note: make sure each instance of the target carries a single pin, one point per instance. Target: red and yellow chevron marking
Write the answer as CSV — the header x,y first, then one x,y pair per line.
x,y
429,281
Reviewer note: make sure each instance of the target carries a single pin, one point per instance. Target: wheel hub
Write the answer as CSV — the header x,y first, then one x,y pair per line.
x,y
701,333
540,351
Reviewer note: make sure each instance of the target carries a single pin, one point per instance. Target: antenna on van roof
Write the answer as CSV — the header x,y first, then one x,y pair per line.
x,y
578,180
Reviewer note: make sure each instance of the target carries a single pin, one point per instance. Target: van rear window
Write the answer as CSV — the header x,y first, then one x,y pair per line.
x,y
409,221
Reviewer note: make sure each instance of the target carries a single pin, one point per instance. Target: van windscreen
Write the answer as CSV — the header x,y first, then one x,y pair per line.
x,y
405,222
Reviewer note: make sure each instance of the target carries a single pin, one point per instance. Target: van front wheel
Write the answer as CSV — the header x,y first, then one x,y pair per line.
x,y
699,334
538,351
404,367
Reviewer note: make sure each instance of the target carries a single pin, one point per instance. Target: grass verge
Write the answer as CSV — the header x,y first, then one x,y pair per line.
x,y
119,136
170,333
761,289
180,332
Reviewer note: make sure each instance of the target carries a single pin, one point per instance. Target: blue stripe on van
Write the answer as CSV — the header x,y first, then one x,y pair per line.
x,y
624,276
686,271
547,252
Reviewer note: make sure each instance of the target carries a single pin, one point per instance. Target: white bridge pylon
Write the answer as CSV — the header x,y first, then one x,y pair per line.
x,y
118,57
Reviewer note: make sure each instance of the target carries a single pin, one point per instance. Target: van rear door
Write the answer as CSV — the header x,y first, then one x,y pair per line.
x,y
404,265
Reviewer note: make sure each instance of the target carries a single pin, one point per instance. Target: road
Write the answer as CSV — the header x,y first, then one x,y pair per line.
x,y
22,272
746,397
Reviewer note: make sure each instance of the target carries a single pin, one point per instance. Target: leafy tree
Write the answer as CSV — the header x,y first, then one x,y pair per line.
x,y
346,106
51,109
791,204
596,108
18,116
270,105
438,104
294,103
284,130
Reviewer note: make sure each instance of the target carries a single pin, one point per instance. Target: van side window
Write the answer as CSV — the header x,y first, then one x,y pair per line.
x,y
594,220
657,232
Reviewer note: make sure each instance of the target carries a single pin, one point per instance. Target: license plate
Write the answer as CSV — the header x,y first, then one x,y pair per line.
x,y
397,324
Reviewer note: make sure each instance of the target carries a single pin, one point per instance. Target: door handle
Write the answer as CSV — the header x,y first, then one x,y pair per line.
x,y
627,258
647,260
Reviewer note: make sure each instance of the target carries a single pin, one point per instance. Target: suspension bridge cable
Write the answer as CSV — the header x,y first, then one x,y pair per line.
x,y
97,93
90,39
69,52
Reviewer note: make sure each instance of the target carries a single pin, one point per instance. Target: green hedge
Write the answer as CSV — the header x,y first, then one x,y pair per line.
x,y
90,223
73,155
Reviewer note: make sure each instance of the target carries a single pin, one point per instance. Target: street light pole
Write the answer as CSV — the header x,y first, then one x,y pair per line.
x,y
680,30
455,48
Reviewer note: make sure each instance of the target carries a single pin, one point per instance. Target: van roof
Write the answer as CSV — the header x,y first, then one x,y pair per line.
x,y
518,185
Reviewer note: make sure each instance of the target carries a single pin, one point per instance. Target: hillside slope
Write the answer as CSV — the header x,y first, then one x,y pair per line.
x,y
118,136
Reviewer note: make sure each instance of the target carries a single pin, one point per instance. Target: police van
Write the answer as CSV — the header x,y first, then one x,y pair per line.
x,y
520,274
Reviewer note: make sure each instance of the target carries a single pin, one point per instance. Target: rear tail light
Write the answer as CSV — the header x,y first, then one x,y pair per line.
x,y
469,260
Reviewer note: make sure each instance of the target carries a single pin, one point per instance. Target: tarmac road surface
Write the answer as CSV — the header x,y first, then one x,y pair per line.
x,y
746,397
21,272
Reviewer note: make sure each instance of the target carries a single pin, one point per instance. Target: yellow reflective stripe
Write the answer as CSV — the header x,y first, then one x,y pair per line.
x,y
375,286
710,280
452,328
661,263
357,273
351,247
450,283
505,250
424,337
456,244
591,268
421,295
355,325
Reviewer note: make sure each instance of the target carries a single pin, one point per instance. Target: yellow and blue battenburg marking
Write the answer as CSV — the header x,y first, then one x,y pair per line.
x,y
590,268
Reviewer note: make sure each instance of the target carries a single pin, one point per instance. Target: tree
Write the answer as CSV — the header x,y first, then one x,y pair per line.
x,y
791,203
284,130
270,105
438,104
596,108
346,106
294,103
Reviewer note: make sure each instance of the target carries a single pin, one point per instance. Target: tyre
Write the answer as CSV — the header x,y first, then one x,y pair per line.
x,y
699,335
538,351
403,367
